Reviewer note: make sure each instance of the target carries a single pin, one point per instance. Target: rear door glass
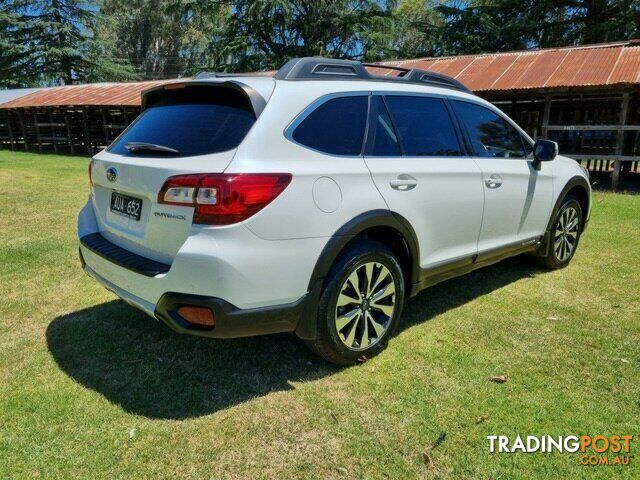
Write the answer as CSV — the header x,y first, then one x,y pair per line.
x,y
383,139
336,127
198,122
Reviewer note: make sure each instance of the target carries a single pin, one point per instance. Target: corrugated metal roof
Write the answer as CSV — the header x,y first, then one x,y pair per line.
x,y
91,94
12,94
587,65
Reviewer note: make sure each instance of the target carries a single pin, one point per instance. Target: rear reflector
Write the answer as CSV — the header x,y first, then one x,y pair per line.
x,y
200,317
223,199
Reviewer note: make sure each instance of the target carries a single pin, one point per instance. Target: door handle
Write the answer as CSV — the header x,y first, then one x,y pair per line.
x,y
494,181
403,182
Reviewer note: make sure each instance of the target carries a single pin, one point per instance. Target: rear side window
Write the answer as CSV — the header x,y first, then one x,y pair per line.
x,y
192,121
336,127
424,126
490,134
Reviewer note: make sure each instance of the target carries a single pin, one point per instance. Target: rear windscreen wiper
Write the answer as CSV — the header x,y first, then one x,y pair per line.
x,y
140,147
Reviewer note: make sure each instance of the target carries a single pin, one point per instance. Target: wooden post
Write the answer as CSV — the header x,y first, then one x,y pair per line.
x,y
104,126
23,128
53,133
617,165
87,137
66,121
35,121
12,140
545,116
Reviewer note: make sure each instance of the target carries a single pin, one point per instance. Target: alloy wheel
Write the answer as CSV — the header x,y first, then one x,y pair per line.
x,y
365,306
566,234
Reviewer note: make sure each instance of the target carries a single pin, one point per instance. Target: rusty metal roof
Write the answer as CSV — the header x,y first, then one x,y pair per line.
x,y
588,65
104,94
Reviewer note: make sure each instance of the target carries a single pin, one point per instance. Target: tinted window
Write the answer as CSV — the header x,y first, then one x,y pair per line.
x,y
490,134
383,140
337,126
194,123
424,126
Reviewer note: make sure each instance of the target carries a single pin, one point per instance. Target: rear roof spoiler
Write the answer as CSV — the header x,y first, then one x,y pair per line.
x,y
255,99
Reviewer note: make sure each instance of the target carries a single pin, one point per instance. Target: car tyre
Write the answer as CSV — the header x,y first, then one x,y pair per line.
x,y
360,305
565,235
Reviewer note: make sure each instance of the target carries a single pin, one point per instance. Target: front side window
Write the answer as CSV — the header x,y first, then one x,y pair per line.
x,y
490,134
336,127
424,126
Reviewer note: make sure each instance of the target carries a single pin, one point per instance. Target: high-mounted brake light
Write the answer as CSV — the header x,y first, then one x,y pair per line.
x,y
223,199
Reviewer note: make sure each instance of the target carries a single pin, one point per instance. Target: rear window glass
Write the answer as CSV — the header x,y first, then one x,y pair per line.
x,y
335,127
424,126
192,121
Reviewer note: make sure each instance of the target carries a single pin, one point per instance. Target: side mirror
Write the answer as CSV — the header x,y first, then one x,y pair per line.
x,y
544,150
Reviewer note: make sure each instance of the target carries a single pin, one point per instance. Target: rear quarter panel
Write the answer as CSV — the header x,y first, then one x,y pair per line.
x,y
342,185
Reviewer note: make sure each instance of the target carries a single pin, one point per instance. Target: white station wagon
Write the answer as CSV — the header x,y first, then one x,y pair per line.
x,y
317,201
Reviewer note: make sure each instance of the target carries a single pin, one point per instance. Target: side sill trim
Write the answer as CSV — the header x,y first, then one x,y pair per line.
x,y
462,266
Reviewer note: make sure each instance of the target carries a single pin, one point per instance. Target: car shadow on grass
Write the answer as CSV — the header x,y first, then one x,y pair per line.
x,y
149,370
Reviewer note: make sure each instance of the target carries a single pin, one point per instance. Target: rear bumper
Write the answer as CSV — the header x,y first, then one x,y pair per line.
x,y
230,321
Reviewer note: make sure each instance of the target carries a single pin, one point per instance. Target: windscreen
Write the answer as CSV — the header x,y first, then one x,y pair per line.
x,y
186,122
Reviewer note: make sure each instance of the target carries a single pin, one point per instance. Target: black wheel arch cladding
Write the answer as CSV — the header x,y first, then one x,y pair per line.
x,y
367,221
578,186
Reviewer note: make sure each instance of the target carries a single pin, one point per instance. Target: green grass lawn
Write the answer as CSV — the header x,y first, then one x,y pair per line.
x,y
90,387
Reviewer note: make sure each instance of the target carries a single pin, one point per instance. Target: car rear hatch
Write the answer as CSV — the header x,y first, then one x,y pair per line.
x,y
184,128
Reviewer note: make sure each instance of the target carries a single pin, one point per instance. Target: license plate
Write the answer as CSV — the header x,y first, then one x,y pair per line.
x,y
126,206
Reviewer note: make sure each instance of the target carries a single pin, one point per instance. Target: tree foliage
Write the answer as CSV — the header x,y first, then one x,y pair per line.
x,y
264,34
52,42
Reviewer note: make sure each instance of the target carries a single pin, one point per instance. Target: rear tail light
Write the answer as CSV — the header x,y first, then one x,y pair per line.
x,y
223,199
90,168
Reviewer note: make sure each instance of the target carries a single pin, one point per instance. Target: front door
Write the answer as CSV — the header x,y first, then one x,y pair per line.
x,y
416,159
517,195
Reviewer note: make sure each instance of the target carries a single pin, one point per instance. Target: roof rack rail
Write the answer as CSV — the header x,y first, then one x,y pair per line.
x,y
318,68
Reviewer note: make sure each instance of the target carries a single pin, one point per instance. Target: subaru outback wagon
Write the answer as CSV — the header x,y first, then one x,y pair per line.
x,y
317,201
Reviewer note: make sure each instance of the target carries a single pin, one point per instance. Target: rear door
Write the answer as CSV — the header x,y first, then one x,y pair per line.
x,y
189,129
415,155
518,195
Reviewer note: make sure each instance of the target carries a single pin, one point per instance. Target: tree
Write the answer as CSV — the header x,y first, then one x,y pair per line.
x,y
52,42
17,62
588,21
499,25
264,34
416,25
168,38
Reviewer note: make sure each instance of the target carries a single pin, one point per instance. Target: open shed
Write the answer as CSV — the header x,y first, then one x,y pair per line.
x,y
76,119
